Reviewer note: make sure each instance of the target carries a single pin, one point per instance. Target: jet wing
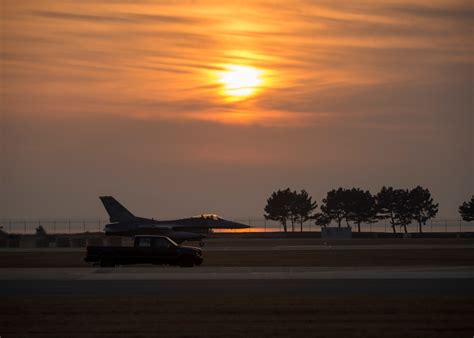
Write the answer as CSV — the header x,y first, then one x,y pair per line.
x,y
174,227
156,226
190,227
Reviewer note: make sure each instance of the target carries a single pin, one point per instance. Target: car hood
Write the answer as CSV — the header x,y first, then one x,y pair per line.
x,y
190,249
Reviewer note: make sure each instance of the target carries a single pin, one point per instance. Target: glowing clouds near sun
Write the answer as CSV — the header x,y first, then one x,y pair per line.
x,y
239,82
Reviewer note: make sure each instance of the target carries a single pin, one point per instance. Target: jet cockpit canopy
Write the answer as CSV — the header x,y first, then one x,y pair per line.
x,y
213,217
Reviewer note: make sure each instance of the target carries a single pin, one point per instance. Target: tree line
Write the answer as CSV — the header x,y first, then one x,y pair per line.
x,y
401,207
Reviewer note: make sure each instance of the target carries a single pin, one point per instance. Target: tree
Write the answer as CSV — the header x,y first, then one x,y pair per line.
x,y
278,206
386,204
41,232
466,210
302,207
404,208
353,205
422,206
361,207
395,204
293,201
322,219
335,205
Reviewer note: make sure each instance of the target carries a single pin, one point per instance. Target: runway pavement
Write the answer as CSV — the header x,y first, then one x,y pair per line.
x,y
235,273
271,281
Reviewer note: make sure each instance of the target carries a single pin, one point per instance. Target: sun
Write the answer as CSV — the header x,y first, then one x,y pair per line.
x,y
240,82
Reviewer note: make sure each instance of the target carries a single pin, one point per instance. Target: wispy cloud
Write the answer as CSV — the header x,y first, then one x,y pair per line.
x,y
121,18
321,61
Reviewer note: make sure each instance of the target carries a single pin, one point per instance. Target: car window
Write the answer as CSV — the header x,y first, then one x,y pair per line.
x,y
161,243
144,242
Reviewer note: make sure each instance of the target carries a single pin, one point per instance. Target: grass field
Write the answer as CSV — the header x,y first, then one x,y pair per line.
x,y
266,242
385,257
285,316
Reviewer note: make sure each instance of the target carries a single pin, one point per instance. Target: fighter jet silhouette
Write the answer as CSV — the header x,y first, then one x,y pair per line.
x,y
124,223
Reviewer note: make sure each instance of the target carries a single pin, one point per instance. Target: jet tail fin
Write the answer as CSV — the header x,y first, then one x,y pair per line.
x,y
117,212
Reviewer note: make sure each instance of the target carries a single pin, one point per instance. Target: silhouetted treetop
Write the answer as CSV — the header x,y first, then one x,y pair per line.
x,y
278,206
466,210
286,204
361,207
335,205
422,206
302,207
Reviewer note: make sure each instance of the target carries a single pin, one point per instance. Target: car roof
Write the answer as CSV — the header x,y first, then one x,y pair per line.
x,y
156,236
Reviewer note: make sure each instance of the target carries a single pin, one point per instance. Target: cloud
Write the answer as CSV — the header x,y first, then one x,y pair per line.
x,y
155,61
120,18
355,93
457,11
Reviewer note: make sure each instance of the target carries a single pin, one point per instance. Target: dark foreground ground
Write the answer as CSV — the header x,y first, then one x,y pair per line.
x,y
186,289
226,315
390,307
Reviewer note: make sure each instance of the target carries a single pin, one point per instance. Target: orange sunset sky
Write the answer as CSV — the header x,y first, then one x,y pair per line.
x,y
183,107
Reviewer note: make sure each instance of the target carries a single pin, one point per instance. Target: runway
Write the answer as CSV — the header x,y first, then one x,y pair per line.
x,y
223,301
235,273
238,280
254,288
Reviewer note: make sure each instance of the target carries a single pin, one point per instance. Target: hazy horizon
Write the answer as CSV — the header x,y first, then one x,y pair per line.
x,y
132,99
